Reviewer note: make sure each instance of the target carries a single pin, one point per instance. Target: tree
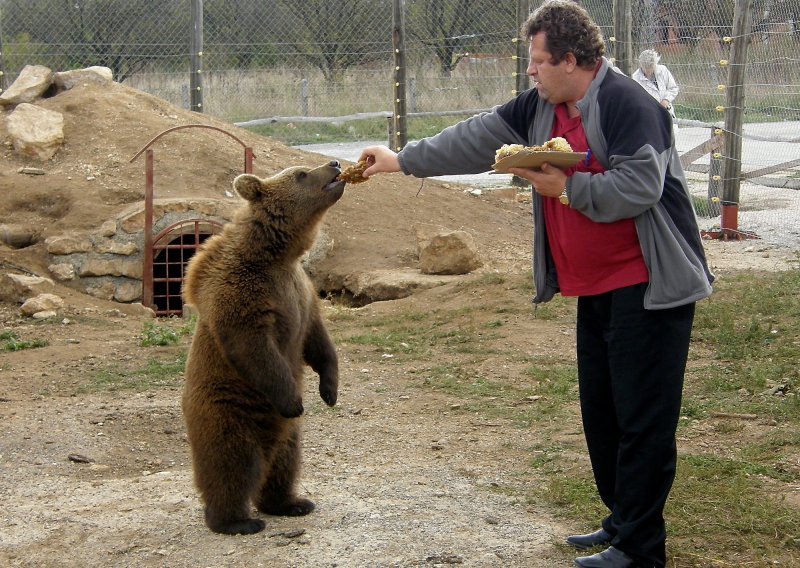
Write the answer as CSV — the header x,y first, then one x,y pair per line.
x,y
452,28
124,35
334,36
238,31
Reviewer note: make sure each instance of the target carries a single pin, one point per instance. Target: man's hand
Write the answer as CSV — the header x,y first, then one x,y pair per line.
x,y
379,159
548,182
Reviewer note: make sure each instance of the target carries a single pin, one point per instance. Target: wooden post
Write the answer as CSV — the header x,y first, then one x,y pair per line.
x,y
196,58
303,97
714,180
623,34
522,82
733,119
398,43
2,62
390,134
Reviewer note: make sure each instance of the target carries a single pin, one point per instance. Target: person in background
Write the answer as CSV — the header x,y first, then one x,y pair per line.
x,y
618,231
656,79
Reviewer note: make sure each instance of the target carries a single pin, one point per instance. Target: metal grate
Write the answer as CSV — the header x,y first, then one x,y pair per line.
x,y
172,249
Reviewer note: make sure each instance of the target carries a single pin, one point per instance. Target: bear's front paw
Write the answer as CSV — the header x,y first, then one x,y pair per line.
x,y
292,409
328,393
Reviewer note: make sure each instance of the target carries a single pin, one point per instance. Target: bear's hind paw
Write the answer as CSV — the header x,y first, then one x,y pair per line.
x,y
244,526
297,507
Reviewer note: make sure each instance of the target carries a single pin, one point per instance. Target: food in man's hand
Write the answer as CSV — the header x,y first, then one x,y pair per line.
x,y
354,173
557,144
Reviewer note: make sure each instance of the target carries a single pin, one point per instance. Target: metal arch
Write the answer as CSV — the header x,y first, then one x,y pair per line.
x,y
147,268
174,128
216,226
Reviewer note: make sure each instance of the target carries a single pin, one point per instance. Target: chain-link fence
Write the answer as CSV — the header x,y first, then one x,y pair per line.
x,y
317,58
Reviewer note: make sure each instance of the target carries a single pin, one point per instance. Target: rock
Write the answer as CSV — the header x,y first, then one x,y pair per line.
x,y
381,285
67,244
108,229
30,84
142,310
44,315
18,237
32,171
62,271
113,247
128,291
18,287
41,303
66,80
95,266
449,253
323,245
79,458
35,132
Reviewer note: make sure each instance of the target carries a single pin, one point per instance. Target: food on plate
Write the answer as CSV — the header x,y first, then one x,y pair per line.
x,y
557,144
354,173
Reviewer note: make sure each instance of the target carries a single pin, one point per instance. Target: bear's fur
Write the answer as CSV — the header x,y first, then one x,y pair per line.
x,y
258,324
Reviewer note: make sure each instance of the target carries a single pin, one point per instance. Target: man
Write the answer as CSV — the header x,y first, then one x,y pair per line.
x,y
619,232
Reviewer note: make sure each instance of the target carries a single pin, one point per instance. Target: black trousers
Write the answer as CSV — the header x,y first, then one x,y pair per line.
x,y
631,364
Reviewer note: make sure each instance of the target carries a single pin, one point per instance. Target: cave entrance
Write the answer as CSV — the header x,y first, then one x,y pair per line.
x,y
162,293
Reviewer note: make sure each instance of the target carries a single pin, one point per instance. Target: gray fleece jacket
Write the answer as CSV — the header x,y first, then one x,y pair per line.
x,y
631,135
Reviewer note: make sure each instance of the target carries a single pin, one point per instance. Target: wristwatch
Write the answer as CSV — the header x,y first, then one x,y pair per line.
x,y
563,197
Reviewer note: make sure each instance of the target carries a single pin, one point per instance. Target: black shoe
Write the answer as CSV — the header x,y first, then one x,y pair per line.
x,y
587,541
609,558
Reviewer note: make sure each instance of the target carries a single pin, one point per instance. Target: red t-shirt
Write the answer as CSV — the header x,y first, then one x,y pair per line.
x,y
591,258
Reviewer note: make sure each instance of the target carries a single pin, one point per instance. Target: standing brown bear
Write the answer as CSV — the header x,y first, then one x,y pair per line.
x,y
258,324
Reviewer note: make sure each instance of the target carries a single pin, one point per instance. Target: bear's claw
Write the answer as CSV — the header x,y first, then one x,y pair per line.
x,y
328,395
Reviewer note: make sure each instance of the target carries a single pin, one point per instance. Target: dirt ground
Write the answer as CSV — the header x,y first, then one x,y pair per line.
x,y
401,475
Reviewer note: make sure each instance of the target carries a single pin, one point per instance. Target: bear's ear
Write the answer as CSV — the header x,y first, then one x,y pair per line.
x,y
247,185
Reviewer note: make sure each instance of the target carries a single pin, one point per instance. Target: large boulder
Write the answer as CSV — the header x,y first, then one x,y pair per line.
x,y
30,84
35,132
65,80
446,252
20,287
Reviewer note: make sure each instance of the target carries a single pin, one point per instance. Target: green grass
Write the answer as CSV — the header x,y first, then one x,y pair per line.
x,y
163,370
10,341
166,332
155,373
727,507
728,502
750,326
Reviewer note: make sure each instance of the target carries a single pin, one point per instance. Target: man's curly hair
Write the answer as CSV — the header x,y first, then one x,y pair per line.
x,y
568,29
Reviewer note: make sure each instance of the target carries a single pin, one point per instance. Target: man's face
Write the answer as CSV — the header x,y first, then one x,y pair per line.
x,y
549,79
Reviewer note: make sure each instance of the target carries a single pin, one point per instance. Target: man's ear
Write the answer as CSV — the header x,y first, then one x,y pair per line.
x,y
570,61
